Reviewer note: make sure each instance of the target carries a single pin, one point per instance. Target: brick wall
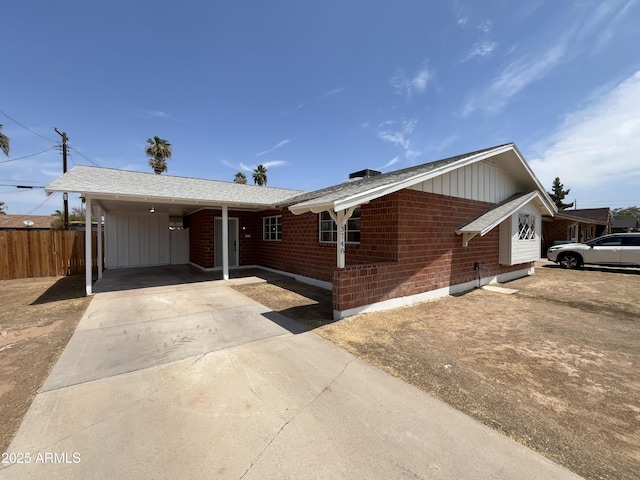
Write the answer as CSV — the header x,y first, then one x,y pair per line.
x,y
201,249
408,246
429,253
202,241
301,252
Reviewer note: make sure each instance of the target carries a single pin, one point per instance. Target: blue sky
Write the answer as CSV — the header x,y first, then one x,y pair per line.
x,y
315,90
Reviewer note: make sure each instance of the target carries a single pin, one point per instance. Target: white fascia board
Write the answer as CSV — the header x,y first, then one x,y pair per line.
x,y
313,208
525,200
545,198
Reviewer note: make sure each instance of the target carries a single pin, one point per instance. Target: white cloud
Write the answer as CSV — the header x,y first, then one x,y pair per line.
x,y
485,26
397,133
515,77
333,92
280,144
274,163
407,86
596,146
393,161
591,29
462,21
481,48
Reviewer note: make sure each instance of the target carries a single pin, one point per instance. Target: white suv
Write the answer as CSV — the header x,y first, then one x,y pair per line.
x,y
620,249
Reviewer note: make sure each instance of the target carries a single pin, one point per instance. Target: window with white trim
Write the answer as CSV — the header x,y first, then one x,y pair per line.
x,y
526,227
329,230
272,228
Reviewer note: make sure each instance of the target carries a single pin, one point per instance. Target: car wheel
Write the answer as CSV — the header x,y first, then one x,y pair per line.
x,y
570,260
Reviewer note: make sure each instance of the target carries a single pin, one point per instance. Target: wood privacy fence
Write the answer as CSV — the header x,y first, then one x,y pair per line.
x,y
43,253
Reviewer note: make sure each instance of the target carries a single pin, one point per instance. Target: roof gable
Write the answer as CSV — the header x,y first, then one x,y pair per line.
x,y
349,194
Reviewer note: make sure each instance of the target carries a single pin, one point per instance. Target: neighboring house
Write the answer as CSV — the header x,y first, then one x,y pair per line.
x,y
579,225
625,225
378,242
26,222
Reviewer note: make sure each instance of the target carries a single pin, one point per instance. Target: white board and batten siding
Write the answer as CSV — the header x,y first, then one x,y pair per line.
x,y
514,251
136,239
479,181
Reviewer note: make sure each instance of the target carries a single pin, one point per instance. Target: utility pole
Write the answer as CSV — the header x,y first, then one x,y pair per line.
x,y
64,170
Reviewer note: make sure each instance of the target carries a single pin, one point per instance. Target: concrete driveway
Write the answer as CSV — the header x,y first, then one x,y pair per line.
x,y
198,381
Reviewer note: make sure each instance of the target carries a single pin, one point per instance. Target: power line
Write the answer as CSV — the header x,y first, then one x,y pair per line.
x,y
18,186
83,155
27,156
45,201
26,128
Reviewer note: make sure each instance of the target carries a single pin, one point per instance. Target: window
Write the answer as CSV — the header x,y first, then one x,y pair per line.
x,y
606,242
526,227
272,228
329,230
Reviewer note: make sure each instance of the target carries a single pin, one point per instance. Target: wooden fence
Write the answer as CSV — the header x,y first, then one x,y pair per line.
x,y
43,253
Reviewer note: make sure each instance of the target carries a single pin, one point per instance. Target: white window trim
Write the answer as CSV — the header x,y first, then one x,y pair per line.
x,y
278,221
530,227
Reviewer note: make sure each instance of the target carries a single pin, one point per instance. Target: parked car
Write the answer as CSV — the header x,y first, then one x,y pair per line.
x,y
620,249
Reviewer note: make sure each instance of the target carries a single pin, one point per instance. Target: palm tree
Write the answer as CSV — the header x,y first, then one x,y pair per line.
x,y
260,175
4,142
158,151
240,178
2,207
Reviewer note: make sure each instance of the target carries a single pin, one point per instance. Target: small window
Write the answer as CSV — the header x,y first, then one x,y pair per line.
x,y
272,228
526,227
329,230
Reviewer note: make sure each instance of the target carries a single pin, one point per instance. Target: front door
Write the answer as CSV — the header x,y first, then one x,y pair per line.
x,y
233,242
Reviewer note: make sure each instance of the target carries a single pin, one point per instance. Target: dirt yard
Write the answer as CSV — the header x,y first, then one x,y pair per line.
x,y
555,366
37,318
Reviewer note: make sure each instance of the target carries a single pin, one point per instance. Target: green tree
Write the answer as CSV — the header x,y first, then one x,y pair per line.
x,y
2,208
240,178
158,151
629,212
260,175
77,214
4,142
558,193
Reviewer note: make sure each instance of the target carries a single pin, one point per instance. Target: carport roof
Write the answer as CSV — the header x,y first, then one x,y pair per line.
x,y
113,184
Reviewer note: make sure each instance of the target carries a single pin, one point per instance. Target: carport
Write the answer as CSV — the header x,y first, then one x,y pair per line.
x,y
144,214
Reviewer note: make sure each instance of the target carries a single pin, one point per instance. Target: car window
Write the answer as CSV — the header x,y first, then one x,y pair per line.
x,y
606,242
631,241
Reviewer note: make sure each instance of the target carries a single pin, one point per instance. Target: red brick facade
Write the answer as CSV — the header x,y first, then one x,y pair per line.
x,y
429,253
408,246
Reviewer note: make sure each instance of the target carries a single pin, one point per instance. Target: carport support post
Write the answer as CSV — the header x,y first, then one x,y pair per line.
x,y
99,215
87,245
341,217
225,242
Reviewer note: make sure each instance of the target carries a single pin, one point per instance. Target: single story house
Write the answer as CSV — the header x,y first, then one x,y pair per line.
x,y
377,241
578,225
625,225
26,222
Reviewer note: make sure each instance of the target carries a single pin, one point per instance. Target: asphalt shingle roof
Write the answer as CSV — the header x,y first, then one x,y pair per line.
x,y
108,181
496,214
347,189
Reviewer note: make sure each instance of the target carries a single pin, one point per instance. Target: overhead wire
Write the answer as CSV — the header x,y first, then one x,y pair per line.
x,y
83,155
25,127
45,201
27,156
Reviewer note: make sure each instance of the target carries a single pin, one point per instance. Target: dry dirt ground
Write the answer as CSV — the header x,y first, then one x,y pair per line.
x,y
37,318
555,366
